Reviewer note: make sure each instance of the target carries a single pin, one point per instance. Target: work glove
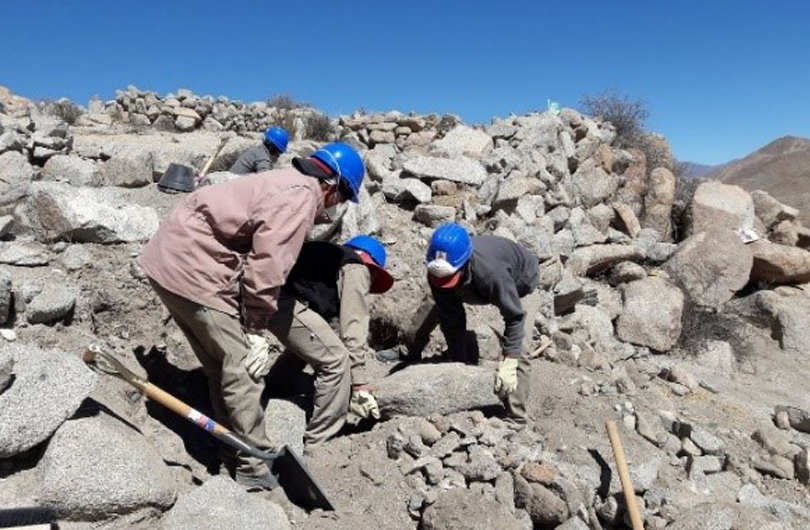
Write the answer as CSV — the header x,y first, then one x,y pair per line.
x,y
506,378
257,361
363,405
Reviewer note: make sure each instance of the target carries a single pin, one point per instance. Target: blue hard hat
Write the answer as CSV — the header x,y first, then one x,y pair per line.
x,y
450,242
344,161
277,137
381,279
371,246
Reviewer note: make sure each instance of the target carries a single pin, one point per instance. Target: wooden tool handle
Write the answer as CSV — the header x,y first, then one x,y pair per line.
x,y
624,475
207,165
182,409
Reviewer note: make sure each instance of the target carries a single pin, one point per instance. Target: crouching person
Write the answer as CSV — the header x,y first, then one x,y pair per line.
x,y
329,281
479,270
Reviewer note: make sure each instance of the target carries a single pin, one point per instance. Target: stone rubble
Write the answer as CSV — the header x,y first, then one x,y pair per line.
x,y
650,318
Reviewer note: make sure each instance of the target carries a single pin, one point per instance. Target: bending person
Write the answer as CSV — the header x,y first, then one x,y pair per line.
x,y
218,262
331,281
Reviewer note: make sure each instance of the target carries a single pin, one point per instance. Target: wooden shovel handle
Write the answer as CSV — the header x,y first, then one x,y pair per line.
x,y
624,475
183,410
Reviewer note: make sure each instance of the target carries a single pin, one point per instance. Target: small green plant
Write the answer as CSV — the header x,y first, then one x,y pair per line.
x,y
318,127
285,102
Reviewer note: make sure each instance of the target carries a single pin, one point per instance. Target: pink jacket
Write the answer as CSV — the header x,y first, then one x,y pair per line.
x,y
241,237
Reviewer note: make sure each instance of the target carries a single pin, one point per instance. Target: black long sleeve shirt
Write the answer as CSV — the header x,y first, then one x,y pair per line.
x,y
499,272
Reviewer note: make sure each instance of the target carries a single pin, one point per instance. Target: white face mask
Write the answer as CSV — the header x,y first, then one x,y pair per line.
x,y
328,215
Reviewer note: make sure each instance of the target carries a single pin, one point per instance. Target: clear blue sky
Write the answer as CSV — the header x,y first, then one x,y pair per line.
x,y
721,77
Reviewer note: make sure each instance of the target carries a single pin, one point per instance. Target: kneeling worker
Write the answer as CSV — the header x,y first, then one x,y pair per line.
x,y
262,157
329,281
481,270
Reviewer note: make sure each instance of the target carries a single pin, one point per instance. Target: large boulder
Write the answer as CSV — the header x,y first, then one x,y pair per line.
x,y
593,184
462,509
221,504
421,390
462,169
463,141
658,202
23,254
15,177
60,212
597,258
779,264
47,389
128,168
790,319
545,508
711,266
71,169
53,303
724,516
770,211
406,190
718,205
99,466
652,314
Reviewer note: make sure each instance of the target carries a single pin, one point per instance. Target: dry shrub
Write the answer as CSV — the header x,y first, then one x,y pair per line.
x,y
64,109
285,102
319,127
627,115
285,120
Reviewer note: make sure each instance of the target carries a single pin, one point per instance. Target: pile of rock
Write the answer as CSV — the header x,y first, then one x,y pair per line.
x,y
405,131
602,223
184,111
492,467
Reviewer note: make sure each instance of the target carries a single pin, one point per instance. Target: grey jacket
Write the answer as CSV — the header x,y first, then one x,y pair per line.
x,y
254,160
499,272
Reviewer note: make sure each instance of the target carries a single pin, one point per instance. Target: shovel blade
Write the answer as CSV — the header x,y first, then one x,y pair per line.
x,y
299,485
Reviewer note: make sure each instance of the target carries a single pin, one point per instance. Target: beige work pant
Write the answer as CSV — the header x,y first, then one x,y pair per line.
x,y
308,336
426,320
220,343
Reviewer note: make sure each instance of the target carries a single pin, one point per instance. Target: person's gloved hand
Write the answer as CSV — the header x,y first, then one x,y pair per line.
x,y
363,404
506,378
257,361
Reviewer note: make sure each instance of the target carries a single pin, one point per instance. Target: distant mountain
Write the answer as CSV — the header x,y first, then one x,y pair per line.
x,y
782,168
691,170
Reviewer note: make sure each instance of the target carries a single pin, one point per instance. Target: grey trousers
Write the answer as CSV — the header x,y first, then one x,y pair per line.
x,y
308,336
427,319
220,343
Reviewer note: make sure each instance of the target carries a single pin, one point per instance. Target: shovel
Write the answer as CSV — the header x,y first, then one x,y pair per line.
x,y
293,476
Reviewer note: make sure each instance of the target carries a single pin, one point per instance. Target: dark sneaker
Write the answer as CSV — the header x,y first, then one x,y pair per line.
x,y
266,482
389,355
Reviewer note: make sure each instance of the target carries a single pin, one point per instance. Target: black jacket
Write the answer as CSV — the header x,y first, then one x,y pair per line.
x,y
313,278
499,272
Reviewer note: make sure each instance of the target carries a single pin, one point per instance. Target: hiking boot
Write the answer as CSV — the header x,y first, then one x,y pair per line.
x,y
389,355
266,482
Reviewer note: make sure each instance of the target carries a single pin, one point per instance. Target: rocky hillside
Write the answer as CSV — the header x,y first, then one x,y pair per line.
x,y
692,336
781,168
